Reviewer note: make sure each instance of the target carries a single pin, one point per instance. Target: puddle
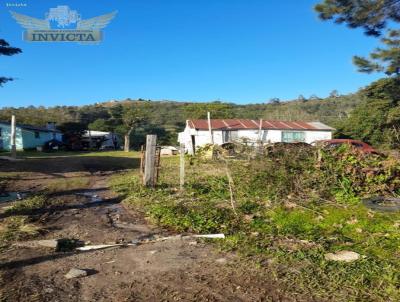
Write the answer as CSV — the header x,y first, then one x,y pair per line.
x,y
92,197
11,196
383,204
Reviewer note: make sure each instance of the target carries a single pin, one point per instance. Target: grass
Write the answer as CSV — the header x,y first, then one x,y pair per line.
x,y
64,184
28,206
291,212
19,225
37,154
16,228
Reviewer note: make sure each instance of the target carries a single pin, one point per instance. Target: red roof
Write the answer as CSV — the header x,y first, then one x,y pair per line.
x,y
238,124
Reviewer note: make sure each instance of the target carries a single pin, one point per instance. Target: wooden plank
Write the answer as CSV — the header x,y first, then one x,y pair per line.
x,y
150,161
182,167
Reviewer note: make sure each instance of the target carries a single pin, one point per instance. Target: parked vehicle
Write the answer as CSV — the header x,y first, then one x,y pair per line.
x,y
359,145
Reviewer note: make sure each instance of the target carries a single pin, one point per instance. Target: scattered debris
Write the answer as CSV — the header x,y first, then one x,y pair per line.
x,y
76,273
345,256
60,245
152,239
153,252
193,243
102,246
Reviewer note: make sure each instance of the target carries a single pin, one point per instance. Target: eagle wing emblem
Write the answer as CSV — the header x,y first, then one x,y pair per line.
x,y
31,23
96,23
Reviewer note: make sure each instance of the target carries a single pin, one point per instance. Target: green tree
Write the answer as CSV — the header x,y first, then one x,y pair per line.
x,y
7,50
377,119
100,125
132,116
374,17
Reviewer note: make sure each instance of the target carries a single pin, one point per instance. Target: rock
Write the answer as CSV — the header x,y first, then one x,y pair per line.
x,y
221,261
76,273
48,290
193,243
152,252
345,256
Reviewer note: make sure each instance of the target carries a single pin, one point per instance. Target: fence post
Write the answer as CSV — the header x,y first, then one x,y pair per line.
x,y
12,138
182,167
150,161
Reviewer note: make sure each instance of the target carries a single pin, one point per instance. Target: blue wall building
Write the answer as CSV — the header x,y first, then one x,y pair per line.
x,y
27,137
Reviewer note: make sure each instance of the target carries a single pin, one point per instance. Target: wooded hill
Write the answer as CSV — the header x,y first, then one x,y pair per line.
x,y
167,118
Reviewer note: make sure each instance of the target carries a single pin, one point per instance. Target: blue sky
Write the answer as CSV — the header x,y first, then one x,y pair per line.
x,y
241,51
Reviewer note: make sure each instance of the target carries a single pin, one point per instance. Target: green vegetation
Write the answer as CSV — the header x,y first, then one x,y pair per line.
x,y
371,114
20,225
294,205
28,205
16,228
64,184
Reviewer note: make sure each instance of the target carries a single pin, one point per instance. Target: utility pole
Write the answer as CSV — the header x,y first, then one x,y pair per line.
x,y
209,127
260,131
12,138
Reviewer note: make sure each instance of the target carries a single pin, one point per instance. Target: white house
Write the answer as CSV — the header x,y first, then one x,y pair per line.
x,y
197,134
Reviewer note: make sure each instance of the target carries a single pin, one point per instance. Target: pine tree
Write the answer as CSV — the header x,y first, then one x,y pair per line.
x,y
7,50
374,17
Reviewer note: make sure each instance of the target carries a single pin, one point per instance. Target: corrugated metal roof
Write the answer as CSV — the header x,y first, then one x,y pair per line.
x,y
238,124
31,128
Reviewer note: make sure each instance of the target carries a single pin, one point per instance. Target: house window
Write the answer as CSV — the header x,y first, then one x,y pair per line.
x,y
230,135
37,134
293,136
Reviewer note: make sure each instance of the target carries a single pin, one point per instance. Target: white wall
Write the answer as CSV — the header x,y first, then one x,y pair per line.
x,y
202,137
312,136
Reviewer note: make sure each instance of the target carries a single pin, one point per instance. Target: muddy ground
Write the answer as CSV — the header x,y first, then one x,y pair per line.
x,y
176,270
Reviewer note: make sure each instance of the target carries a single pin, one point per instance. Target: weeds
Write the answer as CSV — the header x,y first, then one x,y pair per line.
x,y
294,205
63,184
16,228
28,206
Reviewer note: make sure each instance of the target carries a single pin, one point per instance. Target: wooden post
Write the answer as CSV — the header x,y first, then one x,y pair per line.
x,y
12,138
150,161
182,167
141,160
209,127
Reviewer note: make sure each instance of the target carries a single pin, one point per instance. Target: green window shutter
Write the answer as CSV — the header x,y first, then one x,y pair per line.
x,y
293,136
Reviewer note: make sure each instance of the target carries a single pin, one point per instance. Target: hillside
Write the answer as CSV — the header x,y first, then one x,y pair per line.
x,y
167,118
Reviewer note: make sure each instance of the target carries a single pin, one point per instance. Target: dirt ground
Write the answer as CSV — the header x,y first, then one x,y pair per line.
x,y
175,270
